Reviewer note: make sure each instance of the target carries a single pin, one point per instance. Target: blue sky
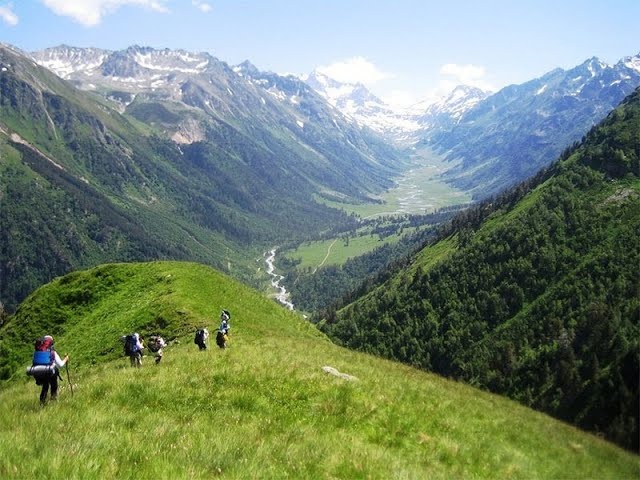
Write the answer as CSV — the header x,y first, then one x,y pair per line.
x,y
402,50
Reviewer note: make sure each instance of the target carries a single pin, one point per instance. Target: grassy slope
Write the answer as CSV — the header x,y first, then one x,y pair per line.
x,y
261,409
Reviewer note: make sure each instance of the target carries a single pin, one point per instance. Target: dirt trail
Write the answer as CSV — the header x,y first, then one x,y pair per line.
x,y
326,256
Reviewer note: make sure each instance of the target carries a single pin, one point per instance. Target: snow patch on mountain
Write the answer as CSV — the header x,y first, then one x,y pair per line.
x,y
361,106
65,60
450,108
632,63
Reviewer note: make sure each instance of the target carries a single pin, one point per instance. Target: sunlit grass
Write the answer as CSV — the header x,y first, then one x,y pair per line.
x,y
264,408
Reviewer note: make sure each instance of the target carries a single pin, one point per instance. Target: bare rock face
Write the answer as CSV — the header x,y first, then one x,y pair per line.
x,y
189,131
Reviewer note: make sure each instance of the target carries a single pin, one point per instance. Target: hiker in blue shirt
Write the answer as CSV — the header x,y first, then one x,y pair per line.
x,y
225,316
133,348
223,331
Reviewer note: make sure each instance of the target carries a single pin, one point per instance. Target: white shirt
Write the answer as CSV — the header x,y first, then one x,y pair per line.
x,y
58,361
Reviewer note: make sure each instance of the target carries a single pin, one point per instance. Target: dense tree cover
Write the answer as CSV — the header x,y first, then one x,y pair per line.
x,y
541,299
53,223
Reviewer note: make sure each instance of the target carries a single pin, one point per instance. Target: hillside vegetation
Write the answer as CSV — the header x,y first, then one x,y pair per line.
x,y
263,408
535,294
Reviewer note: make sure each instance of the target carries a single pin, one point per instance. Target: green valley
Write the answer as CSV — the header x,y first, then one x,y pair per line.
x,y
85,182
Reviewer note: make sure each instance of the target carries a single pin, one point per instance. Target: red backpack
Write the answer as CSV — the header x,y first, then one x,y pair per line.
x,y
44,353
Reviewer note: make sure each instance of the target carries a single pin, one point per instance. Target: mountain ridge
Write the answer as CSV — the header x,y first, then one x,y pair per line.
x,y
532,294
513,133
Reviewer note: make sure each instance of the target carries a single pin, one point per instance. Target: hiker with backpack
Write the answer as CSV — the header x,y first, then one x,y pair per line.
x,y
202,334
46,367
222,337
133,348
156,344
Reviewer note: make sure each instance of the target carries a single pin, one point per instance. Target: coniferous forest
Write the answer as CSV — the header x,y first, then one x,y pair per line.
x,y
535,295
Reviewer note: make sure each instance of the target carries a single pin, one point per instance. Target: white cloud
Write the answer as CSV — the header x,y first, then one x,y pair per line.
x,y
455,75
7,15
399,98
463,72
90,12
355,70
202,6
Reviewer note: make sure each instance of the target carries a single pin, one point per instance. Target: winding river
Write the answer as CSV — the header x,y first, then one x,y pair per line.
x,y
281,293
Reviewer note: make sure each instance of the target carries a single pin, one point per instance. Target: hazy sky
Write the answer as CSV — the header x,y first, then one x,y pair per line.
x,y
402,50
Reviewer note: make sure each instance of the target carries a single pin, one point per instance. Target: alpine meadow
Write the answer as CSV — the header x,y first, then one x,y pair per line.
x,y
447,290
263,408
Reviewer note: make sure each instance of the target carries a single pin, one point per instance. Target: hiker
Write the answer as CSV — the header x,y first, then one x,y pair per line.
x,y
222,337
156,344
46,367
225,316
133,348
201,338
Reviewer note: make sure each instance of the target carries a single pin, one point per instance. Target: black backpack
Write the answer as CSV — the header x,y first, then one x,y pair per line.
x,y
129,345
154,343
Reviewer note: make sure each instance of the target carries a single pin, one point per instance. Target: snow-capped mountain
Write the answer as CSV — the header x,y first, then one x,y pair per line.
x,y
356,102
449,109
194,97
404,126
133,65
133,71
497,139
515,132
64,60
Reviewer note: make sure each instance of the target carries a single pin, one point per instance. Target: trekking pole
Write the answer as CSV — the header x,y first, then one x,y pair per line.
x,y
69,378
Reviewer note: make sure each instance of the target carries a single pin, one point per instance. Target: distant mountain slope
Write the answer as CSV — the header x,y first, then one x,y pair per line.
x,y
190,96
187,171
359,104
448,111
535,295
515,132
263,408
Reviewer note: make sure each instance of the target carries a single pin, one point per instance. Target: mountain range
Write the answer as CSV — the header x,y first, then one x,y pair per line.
x,y
494,140
198,89
512,134
213,167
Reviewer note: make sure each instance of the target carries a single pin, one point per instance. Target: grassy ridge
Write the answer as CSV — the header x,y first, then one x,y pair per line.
x,y
169,298
263,408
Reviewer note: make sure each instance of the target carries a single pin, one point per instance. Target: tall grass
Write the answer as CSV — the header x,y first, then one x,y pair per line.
x,y
264,408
